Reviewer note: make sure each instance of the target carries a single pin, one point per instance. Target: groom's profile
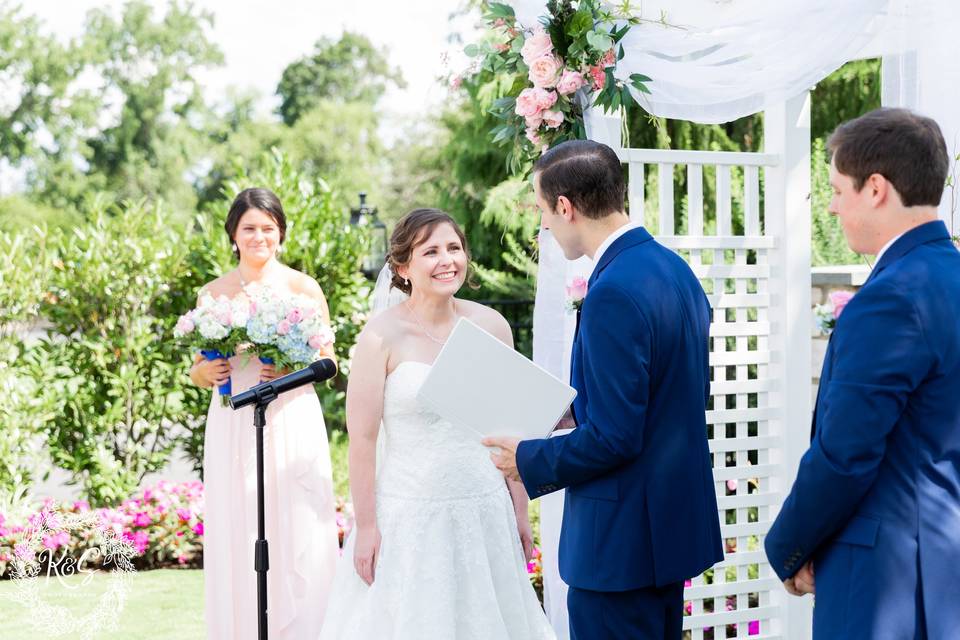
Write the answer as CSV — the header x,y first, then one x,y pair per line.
x,y
640,512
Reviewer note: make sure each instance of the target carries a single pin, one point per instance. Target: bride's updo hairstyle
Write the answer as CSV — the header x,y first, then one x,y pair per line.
x,y
413,230
254,198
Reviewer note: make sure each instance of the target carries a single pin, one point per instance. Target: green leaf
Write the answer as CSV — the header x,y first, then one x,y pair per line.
x,y
599,42
500,10
639,77
581,22
472,50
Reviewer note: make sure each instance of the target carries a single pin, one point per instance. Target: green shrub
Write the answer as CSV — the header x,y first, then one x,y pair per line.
x,y
828,244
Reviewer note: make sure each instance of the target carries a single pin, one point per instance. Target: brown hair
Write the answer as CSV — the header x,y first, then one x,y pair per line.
x,y
255,198
588,173
905,148
413,230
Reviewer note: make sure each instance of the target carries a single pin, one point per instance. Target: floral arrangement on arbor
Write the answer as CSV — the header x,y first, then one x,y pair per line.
x,y
550,72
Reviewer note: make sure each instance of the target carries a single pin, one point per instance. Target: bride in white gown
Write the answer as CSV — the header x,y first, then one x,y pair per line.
x,y
440,541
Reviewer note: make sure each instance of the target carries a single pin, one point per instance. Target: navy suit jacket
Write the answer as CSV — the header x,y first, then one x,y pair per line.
x,y
640,508
876,502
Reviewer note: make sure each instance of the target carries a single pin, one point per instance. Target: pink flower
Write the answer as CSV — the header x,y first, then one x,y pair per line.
x,y
198,528
224,318
295,316
753,628
184,514
81,505
552,119
185,324
322,339
839,300
577,289
545,99
609,59
182,559
283,328
599,77
23,551
142,520
732,485
503,47
534,122
569,82
533,136
456,82
527,104
537,45
545,71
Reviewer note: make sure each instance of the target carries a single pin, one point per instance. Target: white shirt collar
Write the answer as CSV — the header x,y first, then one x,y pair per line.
x,y
611,239
887,246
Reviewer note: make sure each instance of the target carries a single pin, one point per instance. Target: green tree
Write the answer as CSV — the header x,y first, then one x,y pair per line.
x,y
350,69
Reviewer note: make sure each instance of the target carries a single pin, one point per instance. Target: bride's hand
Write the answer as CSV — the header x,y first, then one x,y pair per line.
x,y
208,373
366,552
526,537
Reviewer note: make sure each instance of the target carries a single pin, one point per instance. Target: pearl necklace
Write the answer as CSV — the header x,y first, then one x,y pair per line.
x,y
424,329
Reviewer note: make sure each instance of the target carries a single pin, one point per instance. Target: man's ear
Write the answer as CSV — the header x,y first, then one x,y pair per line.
x,y
880,189
564,208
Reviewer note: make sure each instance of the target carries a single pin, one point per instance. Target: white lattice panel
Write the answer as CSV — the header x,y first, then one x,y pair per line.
x,y
718,226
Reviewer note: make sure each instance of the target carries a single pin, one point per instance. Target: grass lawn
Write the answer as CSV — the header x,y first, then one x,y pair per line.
x,y
166,603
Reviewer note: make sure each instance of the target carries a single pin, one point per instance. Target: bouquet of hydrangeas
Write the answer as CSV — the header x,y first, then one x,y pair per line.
x,y
287,330
215,328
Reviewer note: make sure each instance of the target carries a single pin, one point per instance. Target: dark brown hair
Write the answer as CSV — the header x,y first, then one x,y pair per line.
x,y
413,230
905,148
255,198
588,173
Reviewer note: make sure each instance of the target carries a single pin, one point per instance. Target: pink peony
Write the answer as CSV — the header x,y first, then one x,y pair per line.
x,y
295,316
577,289
283,328
569,82
545,71
537,45
552,119
839,300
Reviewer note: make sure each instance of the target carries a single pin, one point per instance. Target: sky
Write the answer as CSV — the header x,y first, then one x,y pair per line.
x,y
259,39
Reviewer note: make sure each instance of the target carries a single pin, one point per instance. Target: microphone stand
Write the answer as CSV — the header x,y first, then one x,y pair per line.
x,y
261,555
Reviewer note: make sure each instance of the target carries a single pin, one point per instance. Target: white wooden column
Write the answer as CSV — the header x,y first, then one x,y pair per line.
x,y
787,206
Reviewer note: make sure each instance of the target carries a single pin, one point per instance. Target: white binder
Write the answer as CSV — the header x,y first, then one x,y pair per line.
x,y
481,384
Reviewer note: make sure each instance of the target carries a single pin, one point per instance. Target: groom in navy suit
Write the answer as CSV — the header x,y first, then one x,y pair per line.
x,y
640,513
872,523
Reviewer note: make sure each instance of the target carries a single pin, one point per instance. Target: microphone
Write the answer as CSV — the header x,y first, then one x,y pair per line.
x,y
268,391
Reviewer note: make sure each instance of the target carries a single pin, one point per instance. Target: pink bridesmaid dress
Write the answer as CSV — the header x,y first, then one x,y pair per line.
x,y
300,514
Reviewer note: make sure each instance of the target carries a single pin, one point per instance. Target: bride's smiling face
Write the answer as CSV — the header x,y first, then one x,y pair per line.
x,y
438,264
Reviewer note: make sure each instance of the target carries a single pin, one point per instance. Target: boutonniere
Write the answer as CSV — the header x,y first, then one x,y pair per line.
x,y
576,292
828,314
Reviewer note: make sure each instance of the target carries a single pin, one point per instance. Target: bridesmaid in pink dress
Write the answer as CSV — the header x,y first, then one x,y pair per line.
x,y
300,511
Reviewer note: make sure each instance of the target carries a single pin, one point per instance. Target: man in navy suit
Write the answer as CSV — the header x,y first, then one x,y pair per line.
x,y
640,513
872,523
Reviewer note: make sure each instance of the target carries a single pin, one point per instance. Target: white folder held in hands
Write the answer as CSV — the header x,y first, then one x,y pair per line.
x,y
481,384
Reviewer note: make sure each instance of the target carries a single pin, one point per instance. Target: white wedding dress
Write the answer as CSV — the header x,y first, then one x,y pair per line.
x,y
451,566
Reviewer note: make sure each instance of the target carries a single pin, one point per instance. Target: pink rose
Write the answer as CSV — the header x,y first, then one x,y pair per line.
x,y
552,119
533,122
577,289
283,328
545,71
527,103
533,136
545,99
569,82
839,300
185,324
322,339
294,316
538,44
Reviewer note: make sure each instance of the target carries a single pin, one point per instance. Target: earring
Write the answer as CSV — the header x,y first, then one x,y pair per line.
x,y
234,247
406,282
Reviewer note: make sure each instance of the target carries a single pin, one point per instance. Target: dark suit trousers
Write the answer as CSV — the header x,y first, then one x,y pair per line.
x,y
642,614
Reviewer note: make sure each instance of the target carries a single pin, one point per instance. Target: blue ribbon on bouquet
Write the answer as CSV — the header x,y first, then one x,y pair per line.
x,y
214,354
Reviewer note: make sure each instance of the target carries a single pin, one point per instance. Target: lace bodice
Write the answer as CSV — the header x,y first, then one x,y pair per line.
x,y
425,456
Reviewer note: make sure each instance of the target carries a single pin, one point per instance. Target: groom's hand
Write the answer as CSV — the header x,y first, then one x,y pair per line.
x,y
506,458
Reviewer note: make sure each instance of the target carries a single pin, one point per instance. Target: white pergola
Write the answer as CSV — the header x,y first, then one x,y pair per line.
x,y
733,58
